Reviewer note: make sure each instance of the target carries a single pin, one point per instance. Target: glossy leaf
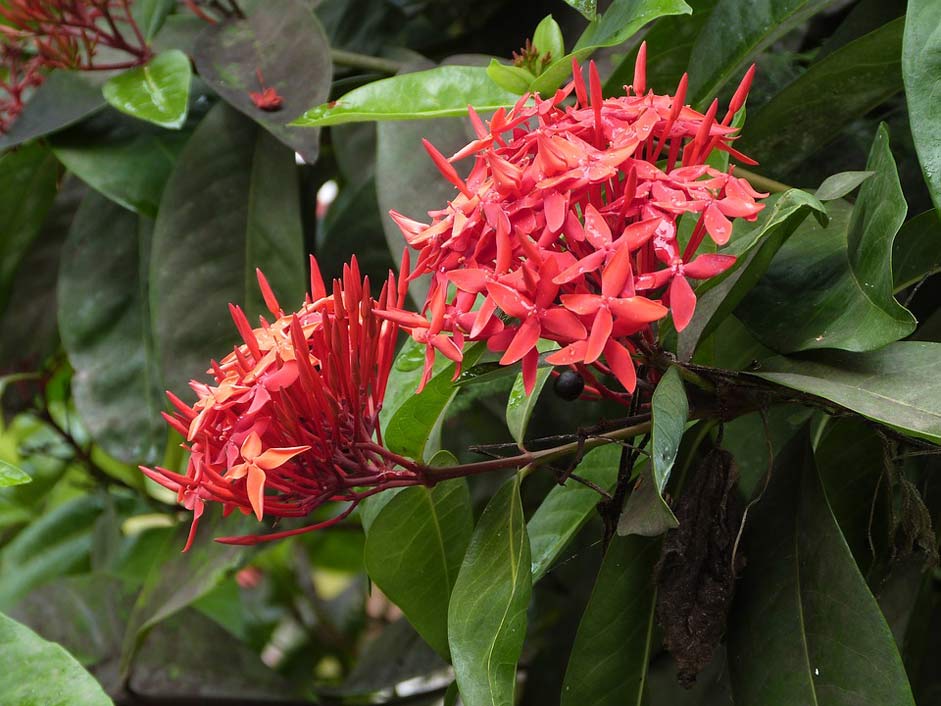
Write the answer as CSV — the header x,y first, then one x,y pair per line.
x,y
736,31
588,8
916,252
646,512
283,48
418,419
566,508
755,245
157,92
804,627
414,549
44,673
514,79
126,160
839,185
441,92
897,385
620,22
10,475
921,70
608,664
487,615
65,98
27,189
104,321
807,114
832,288
231,205
520,406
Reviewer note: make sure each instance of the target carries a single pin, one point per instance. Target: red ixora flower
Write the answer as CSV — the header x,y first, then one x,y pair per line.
x,y
566,227
292,418
268,99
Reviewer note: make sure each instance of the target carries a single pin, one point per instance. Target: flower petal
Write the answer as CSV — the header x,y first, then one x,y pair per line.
x,y
600,334
275,458
682,302
621,364
255,487
524,341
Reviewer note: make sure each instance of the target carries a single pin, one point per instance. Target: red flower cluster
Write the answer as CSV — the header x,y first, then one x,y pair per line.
x,y
568,225
292,419
39,35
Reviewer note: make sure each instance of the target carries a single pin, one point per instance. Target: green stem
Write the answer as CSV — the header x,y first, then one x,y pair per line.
x,y
762,183
364,61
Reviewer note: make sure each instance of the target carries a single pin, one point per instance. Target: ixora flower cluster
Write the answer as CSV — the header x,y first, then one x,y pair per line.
x,y
39,35
567,227
294,410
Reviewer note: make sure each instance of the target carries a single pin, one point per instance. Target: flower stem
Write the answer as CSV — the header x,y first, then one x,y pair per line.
x,y
364,61
762,183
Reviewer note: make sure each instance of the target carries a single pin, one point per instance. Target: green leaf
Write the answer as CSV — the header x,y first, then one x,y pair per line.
x,y
736,31
588,8
157,92
566,508
897,385
832,288
11,475
442,92
839,185
287,45
56,544
487,615
520,406
620,22
921,70
807,114
150,15
548,39
755,245
804,627
127,160
414,549
514,79
231,205
916,252
418,419
104,321
45,674
646,512
27,189
608,665
65,98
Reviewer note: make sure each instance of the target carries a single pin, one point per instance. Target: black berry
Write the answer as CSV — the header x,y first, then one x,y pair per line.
x,y
569,385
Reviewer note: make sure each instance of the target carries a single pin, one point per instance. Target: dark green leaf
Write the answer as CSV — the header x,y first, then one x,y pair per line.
x,y
441,92
487,615
43,673
620,22
832,288
286,44
520,406
804,627
64,99
588,8
414,549
418,419
921,69
157,92
231,205
916,252
27,190
150,15
104,321
897,385
737,30
608,665
127,160
646,512
10,475
801,119
566,508
755,245
839,185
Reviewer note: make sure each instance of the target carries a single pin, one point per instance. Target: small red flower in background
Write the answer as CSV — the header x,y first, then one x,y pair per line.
x,y
268,98
292,419
568,224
